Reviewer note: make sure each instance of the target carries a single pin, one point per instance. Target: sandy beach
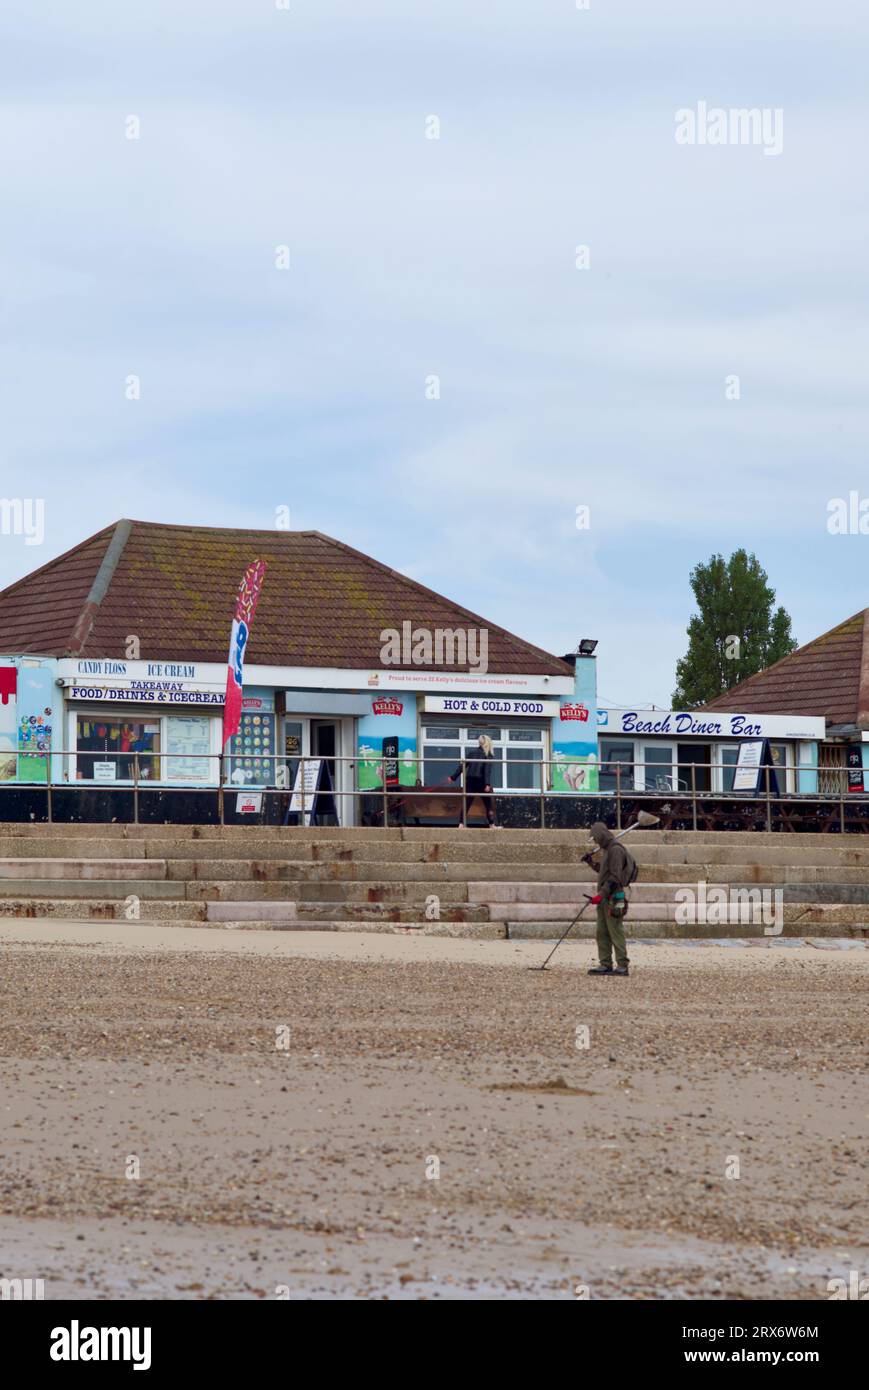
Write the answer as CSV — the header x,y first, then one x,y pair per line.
x,y
390,1116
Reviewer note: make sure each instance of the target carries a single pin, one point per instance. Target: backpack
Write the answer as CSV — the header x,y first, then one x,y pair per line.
x,y
631,869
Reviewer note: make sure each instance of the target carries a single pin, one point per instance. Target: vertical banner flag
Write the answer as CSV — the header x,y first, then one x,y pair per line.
x,y
245,607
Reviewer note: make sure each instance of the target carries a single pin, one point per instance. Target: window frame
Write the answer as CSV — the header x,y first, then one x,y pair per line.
x,y
464,735
137,714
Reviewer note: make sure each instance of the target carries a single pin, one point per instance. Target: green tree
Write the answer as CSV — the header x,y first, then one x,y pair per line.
x,y
735,634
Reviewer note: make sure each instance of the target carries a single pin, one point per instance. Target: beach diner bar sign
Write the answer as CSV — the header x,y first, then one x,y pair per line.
x,y
709,724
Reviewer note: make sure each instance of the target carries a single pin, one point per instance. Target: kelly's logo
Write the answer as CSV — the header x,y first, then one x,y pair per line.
x,y
387,706
574,711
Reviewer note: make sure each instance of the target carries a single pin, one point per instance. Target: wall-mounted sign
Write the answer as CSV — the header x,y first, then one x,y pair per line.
x,y
105,772
711,724
477,705
8,682
141,670
387,705
188,742
855,769
248,803
390,760
572,709
252,750
147,693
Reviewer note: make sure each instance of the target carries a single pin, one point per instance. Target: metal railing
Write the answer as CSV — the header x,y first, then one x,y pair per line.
x,y
288,778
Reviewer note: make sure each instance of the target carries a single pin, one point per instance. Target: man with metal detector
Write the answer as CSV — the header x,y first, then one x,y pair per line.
x,y
616,870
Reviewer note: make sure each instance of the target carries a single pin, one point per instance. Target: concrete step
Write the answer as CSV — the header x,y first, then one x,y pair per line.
x,y
809,914
360,913
103,869
442,872
572,893
352,837
250,912
284,871
103,910
493,931
143,888
388,847
393,912
399,891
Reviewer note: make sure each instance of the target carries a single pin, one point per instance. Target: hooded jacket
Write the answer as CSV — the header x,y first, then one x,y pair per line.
x,y
616,865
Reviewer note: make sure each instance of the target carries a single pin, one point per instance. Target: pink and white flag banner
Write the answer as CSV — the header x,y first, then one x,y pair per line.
x,y
245,607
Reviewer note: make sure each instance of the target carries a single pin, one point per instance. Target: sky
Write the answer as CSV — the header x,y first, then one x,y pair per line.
x,y
454,258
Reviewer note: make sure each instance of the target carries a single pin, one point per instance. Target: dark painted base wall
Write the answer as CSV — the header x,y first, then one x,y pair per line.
x,y
192,807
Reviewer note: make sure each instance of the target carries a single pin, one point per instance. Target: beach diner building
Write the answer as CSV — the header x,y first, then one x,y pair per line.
x,y
116,658
810,710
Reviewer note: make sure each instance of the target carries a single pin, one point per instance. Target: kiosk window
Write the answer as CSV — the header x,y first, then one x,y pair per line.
x,y
518,753
105,749
610,754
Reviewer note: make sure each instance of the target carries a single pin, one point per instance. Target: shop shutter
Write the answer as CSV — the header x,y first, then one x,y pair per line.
x,y
832,772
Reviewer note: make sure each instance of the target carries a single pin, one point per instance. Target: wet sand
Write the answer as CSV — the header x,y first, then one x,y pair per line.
x,y
305,1170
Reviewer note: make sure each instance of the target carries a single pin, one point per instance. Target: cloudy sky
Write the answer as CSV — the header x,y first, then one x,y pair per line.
x,y
455,257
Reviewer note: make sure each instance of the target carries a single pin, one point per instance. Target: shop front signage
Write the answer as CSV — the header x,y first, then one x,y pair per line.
x,y
855,769
157,670
387,706
482,704
320,679
147,692
573,710
711,724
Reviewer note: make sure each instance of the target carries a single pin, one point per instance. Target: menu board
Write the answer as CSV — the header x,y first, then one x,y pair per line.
x,y
747,769
314,790
252,751
188,737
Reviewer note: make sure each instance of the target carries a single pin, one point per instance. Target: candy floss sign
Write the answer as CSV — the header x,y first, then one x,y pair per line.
x,y
245,607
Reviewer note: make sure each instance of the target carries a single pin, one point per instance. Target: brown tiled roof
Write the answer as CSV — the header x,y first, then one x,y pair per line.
x,y
829,676
174,587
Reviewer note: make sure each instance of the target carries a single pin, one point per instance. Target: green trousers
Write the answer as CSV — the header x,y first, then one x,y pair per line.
x,y
610,933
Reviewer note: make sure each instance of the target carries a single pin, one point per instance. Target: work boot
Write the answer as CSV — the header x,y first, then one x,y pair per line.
x,y
601,970
621,970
